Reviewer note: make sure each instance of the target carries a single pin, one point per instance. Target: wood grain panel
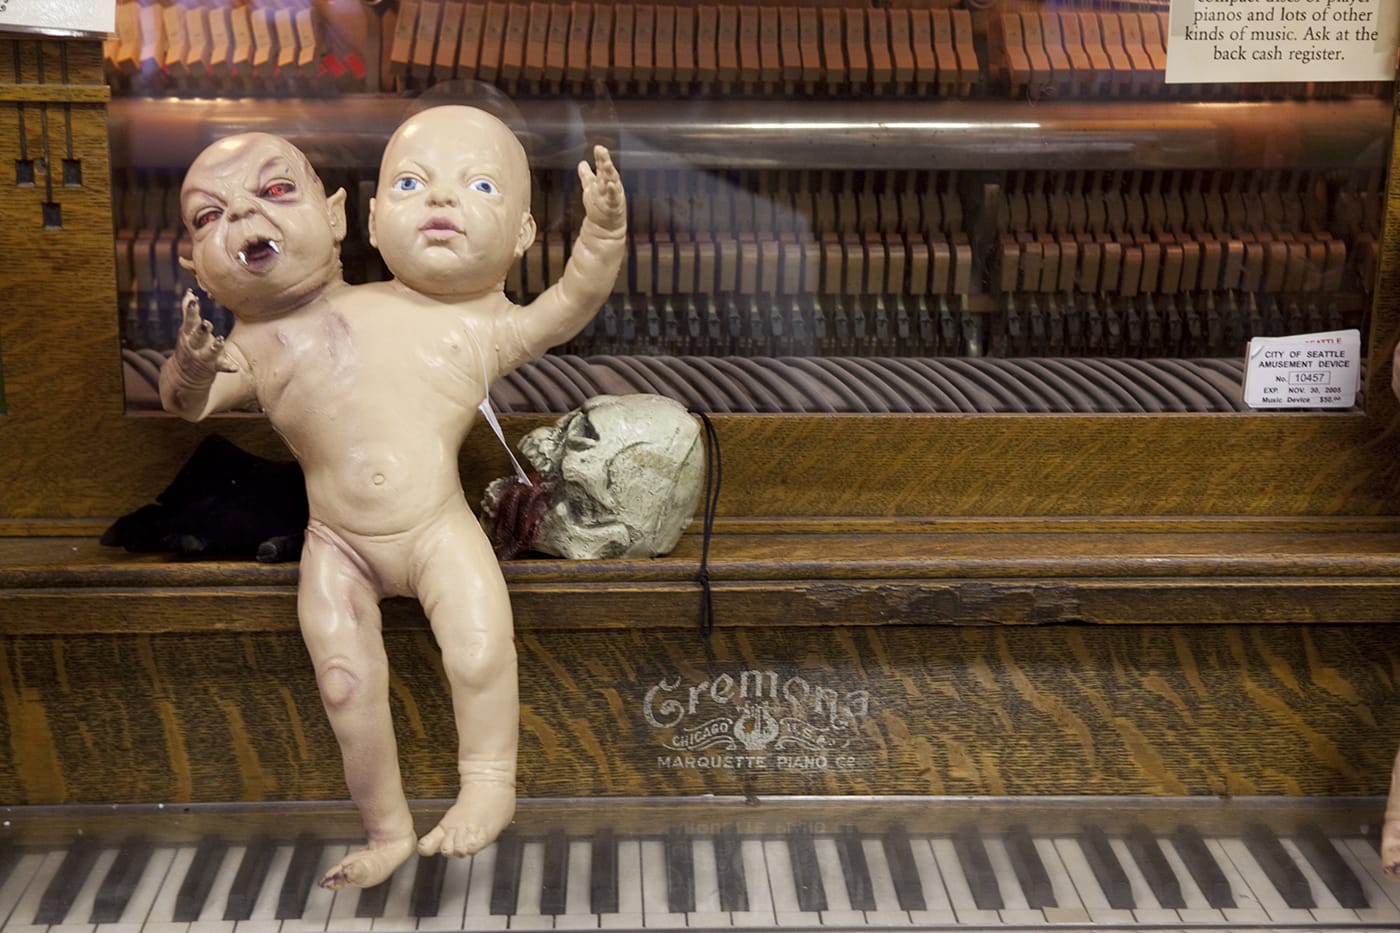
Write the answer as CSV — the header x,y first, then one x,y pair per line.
x,y
1293,710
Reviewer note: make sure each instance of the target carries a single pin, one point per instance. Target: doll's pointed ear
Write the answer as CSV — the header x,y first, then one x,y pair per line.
x,y
188,265
526,237
335,213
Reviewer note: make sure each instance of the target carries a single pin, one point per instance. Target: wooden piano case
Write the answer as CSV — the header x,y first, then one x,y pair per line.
x,y
1009,603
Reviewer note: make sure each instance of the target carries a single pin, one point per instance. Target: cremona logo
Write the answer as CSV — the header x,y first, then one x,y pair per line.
x,y
755,719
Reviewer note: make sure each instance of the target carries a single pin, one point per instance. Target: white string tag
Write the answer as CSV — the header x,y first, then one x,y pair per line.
x,y
490,414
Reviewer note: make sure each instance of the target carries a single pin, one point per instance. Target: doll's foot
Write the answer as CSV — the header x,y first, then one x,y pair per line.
x,y
1390,849
484,807
364,868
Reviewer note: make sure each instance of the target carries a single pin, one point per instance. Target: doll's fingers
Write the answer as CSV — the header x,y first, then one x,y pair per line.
x,y
189,307
603,159
586,175
225,363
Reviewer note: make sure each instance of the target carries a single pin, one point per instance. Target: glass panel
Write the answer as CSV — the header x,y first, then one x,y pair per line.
x,y
916,206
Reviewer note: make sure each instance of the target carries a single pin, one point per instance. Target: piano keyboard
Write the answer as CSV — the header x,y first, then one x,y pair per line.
x,y
1274,868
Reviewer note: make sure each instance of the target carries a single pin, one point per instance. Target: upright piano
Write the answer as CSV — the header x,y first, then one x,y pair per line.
x,y
1021,615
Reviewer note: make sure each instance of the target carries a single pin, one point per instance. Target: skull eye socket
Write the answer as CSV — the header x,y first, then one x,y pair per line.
x,y
581,435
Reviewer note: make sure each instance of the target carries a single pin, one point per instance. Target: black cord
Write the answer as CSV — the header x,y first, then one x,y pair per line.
x,y
714,477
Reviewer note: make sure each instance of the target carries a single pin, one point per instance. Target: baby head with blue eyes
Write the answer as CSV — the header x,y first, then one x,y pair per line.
x,y
265,237
452,211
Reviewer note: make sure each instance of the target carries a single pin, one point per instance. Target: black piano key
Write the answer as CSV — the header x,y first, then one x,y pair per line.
x,y
1109,873
977,868
120,880
680,873
1324,858
1155,868
63,888
602,874
301,875
1203,867
854,869
904,871
1030,870
370,904
9,857
505,884
248,880
194,888
554,886
806,872
729,867
426,898
1278,867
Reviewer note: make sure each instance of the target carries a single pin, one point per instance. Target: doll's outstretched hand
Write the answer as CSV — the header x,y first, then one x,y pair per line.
x,y
603,199
200,353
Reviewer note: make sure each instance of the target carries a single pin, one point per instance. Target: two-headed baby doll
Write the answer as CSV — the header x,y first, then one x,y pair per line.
x,y
374,388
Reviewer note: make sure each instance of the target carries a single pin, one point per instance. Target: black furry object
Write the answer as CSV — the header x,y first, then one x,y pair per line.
x,y
224,502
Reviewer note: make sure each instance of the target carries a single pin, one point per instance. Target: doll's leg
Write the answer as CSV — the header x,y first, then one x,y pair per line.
x,y
465,598
1390,829
340,622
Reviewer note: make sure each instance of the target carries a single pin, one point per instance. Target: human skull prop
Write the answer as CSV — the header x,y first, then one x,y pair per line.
x,y
619,476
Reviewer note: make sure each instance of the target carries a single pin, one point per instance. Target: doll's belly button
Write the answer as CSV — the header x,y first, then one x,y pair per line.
x,y
378,479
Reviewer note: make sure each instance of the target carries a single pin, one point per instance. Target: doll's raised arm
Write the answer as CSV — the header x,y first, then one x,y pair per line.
x,y
563,309
204,375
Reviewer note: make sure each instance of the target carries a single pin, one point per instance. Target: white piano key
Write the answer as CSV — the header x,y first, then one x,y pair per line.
x,y
78,918
578,914
783,887
144,895
1247,908
211,912
1148,910
317,913
263,917
705,884
26,867
955,883
887,911
398,904
1382,892
527,914
1016,910
656,907
1253,878
1069,909
1197,909
1328,910
452,901
760,912
1087,887
629,888
28,904
939,905
838,898
477,914
161,918
344,905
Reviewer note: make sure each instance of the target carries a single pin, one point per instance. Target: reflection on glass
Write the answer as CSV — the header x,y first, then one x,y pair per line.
x,y
832,209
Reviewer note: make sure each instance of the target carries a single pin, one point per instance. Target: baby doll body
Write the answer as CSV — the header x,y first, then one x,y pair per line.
x,y
374,389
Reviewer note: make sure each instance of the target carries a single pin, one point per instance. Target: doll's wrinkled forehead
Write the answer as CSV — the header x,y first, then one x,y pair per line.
x,y
233,156
478,132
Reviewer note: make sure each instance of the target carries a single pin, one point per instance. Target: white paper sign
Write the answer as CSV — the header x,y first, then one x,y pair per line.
x,y
59,17
1282,40
1306,371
